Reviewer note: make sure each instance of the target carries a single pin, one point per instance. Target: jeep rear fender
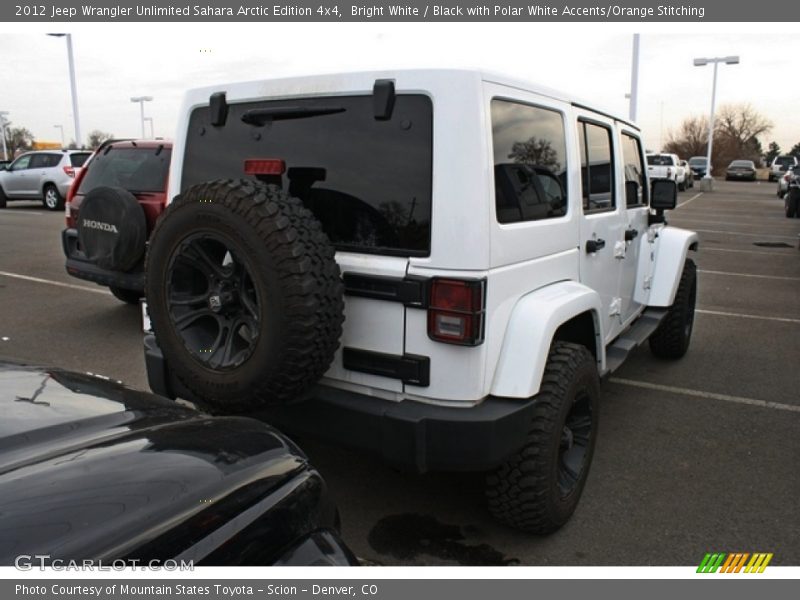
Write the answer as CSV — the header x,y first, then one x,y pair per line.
x,y
673,246
530,332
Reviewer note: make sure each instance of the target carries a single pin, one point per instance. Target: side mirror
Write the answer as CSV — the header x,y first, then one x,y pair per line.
x,y
664,195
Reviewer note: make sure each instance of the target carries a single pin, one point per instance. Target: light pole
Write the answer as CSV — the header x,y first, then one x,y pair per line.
x,y
61,127
73,86
634,78
152,129
707,181
3,114
141,100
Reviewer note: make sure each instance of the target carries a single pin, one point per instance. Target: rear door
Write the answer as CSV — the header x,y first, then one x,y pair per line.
x,y
602,222
367,177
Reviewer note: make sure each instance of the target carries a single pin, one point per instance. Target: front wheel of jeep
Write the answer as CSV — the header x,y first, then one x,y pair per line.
x,y
244,295
538,488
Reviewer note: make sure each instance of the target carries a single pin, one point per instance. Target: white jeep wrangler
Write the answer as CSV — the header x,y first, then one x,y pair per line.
x,y
435,265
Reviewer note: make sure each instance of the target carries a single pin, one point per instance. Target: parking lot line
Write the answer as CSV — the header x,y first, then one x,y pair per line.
x,y
707,395
715,222
766,235
746,316
778,253
689,200
749,275
56,283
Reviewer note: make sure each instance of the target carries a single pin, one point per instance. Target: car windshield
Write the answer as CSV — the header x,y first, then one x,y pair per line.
x,y
697,162
134,169
660,160
785,161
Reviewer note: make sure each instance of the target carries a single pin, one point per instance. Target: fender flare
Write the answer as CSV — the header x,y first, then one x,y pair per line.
x,y
529,334
673,246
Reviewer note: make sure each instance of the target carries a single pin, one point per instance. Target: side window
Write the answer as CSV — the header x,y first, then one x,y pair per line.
x,y
39,161
597,167
530,162
21,163
53,160
635,181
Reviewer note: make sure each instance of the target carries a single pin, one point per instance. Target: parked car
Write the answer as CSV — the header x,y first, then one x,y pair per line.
x,y
689,174
741,169
491,277
781,164
783,182
699,166
41,175
791,199
666,166
91,470
111,210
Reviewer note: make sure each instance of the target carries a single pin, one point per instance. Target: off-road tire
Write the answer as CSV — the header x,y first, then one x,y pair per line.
x,y
51,199
127,296
293,281
671,339
792,204
524,492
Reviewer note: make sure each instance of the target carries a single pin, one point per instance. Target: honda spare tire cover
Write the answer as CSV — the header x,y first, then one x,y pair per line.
x,y
112,229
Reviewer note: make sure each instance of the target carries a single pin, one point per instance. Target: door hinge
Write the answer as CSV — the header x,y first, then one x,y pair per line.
x,y
648,281
615,308
619,249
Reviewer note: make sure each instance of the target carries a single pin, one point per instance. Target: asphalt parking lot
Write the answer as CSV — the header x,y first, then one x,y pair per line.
x,y
694,456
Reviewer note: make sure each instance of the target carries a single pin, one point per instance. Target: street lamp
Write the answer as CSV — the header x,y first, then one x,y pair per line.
x,y
152,130
634,94
141,100
3,114
702,62
73,86
61,127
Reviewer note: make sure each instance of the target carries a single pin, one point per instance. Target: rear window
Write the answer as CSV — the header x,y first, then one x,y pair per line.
x,y
742,163
78,158
697,162
785,161
134,169
660,160
367,180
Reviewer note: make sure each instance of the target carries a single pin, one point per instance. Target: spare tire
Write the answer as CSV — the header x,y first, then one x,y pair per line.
x,y
112,229
244,295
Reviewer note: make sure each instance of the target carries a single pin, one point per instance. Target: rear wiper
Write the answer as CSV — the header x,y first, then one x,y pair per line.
x,y
262,116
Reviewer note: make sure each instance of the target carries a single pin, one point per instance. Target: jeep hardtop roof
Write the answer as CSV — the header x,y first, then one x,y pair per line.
x,y
332,83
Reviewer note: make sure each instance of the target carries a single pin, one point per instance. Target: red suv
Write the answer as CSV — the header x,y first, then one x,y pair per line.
x,y
111,209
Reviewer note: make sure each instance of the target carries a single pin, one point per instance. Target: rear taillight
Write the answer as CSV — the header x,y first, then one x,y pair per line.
x,y
456,311
669,172
71,215
69,171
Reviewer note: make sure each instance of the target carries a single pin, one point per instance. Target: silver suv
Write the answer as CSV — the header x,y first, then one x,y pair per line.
x,y
41,175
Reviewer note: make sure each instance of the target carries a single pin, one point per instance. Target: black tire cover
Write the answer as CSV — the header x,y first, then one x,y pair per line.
x,y
112,229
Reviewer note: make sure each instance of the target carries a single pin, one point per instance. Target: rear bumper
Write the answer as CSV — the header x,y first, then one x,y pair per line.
x,y
411,435
79,267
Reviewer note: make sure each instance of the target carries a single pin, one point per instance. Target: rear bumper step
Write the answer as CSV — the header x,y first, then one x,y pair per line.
x,y
411,435
79,267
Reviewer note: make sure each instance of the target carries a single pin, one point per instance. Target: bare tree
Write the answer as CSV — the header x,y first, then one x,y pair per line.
x,y
535,151
18,139
691,139
97,137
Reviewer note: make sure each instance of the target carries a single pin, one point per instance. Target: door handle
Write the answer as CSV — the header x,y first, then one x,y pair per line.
x,y
630,234
593,246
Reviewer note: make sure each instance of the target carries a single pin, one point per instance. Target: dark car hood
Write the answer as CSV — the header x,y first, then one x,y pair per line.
x,y
91,469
